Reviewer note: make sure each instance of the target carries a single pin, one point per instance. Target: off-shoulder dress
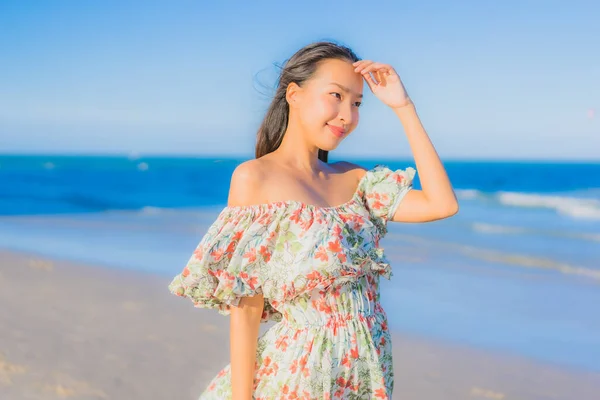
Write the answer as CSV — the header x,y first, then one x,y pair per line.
x,y
318,269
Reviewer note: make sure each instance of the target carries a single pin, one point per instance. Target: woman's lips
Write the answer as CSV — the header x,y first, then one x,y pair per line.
x,y
337,131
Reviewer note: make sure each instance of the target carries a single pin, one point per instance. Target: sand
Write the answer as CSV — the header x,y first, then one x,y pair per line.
x,y
74,331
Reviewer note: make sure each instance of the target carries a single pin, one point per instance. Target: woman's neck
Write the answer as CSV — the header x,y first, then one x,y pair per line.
x,y
297,153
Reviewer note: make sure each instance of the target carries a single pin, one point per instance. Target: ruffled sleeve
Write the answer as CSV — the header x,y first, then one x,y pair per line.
x,y
383,189
230,262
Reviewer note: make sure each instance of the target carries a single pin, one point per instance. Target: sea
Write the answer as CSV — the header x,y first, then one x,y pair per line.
x,y
517,270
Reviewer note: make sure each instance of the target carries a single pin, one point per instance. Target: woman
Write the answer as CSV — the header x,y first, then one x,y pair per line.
x,y
298,242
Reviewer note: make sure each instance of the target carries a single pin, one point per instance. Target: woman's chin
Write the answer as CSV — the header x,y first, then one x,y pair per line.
x,y
330,145
331,142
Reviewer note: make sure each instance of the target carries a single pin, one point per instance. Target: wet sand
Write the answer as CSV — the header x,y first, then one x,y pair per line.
x,y
73,331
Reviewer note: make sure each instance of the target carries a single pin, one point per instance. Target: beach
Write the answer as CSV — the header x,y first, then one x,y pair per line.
x,y
498,302
82,331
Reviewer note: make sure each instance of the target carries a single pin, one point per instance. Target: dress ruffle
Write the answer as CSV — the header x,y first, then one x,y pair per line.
x,y
230,261
384,190
286,249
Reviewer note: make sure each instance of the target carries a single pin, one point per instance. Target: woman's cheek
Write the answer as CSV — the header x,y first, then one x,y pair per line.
x,y
327,107
355,117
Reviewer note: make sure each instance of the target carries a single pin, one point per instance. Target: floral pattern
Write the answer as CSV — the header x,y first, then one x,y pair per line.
x,y
318,269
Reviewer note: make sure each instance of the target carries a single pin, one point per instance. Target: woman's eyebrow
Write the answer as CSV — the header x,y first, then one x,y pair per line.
x,y
345,89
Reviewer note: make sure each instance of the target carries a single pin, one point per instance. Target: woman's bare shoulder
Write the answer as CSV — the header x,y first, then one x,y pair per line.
x,y
347,167
244,188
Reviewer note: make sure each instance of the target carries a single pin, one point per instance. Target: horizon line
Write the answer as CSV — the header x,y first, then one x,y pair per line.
x,y
237,156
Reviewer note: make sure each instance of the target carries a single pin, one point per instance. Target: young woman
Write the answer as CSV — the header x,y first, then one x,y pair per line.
x,y
298,242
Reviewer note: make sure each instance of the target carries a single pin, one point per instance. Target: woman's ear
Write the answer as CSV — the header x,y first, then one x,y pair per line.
x,y
293,94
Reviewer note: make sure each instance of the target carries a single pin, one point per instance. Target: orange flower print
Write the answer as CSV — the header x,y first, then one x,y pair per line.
x,y
308,346
336,231
321,254
264,252
346,361
334,246
230,249
217,254
282,343
324,307
294,367
376,205
314,276
250,255
295,217
237,236
251,281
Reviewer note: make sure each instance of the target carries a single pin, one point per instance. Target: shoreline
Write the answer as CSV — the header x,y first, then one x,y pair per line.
x,y
74,330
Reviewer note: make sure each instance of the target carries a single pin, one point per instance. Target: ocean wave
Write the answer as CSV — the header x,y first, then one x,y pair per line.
x,y
487,228
150,210
526,261
595,237
211,211
505,258
468,194
576,207
492,228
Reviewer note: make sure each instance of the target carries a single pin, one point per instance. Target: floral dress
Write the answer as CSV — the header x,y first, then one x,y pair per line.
x,y
318,269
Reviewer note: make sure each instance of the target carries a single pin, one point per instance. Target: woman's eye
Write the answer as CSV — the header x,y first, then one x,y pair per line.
x,y
336,94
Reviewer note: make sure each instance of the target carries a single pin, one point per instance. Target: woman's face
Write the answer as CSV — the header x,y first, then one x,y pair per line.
x,y
327,104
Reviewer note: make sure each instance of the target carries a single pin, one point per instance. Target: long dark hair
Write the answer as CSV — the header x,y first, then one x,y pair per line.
x,y
300,67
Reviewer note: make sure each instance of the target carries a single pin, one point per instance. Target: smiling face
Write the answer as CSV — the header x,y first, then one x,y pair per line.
x,y
326,106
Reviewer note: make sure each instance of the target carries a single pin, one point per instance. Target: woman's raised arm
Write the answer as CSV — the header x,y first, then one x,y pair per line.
x,y
437,199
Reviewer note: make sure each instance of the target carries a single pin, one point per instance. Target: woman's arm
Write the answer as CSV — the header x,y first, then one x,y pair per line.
x,y
243,336
436,200
245,318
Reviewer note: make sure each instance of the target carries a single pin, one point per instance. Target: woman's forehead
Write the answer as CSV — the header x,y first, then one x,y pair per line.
x,y
339,72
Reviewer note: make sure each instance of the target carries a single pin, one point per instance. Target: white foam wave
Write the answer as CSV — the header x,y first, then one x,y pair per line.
x,y
198,211
467,194
576,207
491,228
483,227
497,256
594,237
149,210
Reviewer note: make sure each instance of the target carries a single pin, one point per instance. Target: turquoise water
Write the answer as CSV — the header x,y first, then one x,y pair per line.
x,y
518,269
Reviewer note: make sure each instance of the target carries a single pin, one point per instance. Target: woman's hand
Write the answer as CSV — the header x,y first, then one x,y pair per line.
x,y
385,83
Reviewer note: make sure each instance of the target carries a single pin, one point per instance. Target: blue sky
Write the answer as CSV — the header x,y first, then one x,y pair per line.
x,y
491,79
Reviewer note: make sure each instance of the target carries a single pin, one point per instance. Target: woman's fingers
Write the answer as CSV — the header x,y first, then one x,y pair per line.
x,y
370,81
363,66
382,68
360,65
375,73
